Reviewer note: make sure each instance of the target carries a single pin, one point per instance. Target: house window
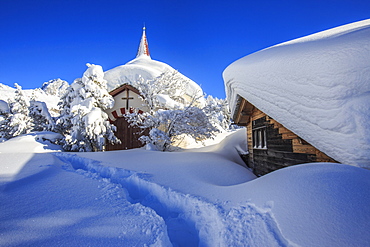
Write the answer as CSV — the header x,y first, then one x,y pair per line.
x,y
259,138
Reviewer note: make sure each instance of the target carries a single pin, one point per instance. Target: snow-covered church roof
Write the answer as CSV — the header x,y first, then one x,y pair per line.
x,y
143,65
317,86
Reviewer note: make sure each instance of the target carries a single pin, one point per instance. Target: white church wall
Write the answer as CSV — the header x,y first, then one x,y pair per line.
x,y
120,102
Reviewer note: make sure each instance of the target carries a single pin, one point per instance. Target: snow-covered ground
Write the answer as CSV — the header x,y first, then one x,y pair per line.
x,y
197,197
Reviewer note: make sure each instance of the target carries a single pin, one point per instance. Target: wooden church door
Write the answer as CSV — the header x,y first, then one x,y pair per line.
x,y
129,135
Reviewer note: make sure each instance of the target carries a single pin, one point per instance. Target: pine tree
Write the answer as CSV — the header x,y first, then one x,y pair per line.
x,y
40,116
63,122
20,121
87,123
4,120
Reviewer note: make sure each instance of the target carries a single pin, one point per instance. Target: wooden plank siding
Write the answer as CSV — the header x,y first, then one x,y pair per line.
x,y
128,135
284,148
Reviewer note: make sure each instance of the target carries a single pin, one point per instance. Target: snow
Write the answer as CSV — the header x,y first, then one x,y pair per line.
x,y
41,116
35,142
50,100
316,86
330,202
93,71
4,107
147,68
56,87
199,197
165,100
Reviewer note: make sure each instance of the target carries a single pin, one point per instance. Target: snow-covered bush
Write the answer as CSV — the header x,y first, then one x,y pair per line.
x,y
83,121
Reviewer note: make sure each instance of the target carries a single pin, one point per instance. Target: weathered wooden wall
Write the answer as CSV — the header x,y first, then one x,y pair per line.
x,y
284,148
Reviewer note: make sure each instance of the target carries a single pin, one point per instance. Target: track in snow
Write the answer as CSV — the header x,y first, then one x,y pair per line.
x,y
190,220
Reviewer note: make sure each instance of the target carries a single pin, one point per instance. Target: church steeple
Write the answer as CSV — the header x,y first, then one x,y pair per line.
x,y
143,47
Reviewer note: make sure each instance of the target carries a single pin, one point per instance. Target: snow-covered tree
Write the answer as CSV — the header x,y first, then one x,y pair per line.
x,y
64,122
4,120
168,126
19,119
40,116
218,112
170,115
87,123
163,92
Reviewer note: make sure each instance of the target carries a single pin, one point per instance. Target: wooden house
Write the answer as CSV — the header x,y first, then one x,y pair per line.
x,y
305,100
271,145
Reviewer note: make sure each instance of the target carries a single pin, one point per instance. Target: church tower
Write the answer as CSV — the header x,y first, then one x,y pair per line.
x,y
143,47
127,98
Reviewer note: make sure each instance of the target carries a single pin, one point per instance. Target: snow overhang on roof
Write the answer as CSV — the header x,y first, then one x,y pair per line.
x,y
317,86
122,88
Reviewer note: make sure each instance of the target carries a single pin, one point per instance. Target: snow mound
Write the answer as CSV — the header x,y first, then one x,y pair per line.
x,y
316,86
79,208
35,142
4,107
147,68
317,204
203,198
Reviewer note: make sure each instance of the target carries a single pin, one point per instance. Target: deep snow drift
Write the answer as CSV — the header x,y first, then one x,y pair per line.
x,y
317,86
200,197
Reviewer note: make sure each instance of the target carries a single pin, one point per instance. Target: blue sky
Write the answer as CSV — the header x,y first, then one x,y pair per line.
x,y
43,40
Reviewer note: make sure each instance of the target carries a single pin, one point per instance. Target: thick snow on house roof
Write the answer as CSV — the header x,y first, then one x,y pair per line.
x,y
317,86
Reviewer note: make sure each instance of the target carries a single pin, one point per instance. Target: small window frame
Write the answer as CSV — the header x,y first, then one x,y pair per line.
x,y
259,138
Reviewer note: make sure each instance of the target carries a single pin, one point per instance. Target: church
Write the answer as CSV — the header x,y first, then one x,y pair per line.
x,y
120,81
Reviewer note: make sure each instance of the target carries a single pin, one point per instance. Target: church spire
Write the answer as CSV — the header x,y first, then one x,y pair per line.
x,y
143,47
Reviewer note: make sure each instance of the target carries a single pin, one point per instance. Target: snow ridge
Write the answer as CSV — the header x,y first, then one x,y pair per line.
x,y
189,220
